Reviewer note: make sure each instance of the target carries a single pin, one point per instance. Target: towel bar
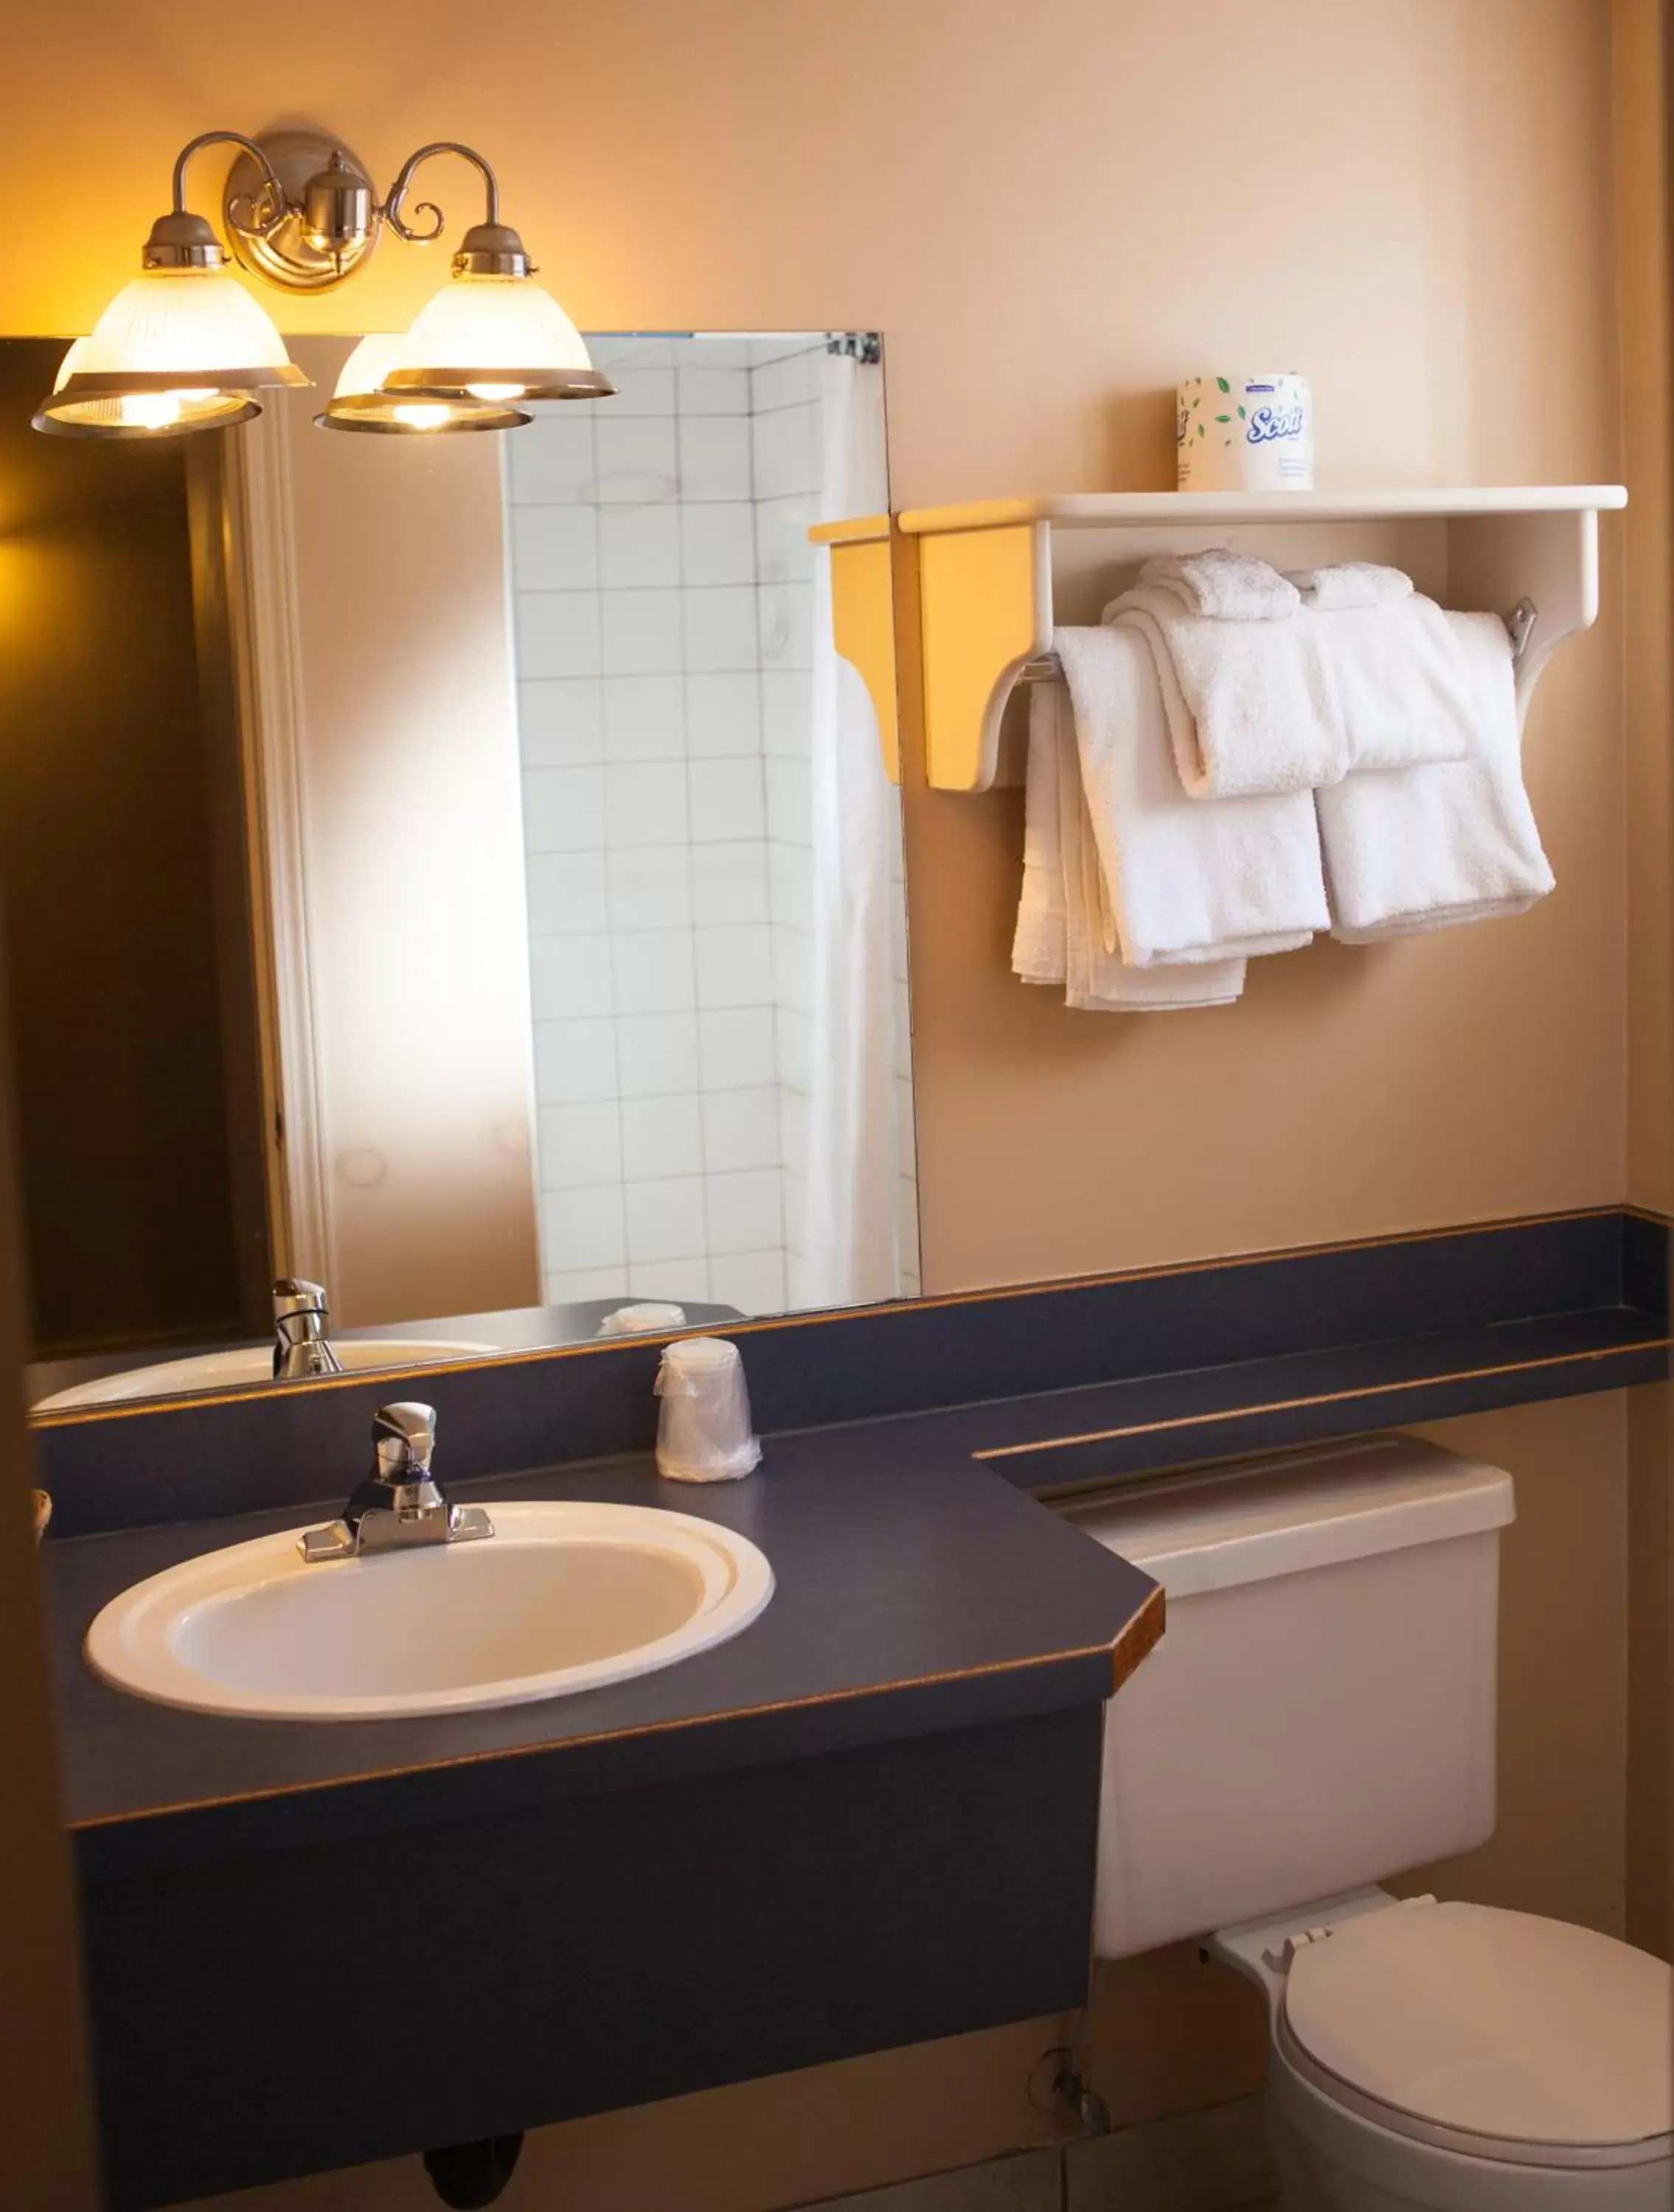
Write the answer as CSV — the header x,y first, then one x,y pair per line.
x,y
1045,667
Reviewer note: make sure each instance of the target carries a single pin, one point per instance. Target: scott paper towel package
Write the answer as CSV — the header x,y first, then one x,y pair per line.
x,y
1245,434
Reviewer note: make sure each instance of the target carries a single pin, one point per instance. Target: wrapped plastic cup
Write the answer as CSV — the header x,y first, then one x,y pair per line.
x,y
703,1432
647,1319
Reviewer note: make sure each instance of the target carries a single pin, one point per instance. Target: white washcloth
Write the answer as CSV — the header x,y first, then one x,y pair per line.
x,y
1407,691
1230,586
1349,584
1420,848
1187,883
1252,706
1061,929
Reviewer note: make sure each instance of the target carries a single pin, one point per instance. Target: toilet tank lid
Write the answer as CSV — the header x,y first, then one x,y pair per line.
x,y
1491,2023
1269,1517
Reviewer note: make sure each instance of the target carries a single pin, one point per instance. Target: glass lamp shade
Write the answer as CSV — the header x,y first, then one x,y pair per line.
x,y
496,338
360,402
177,350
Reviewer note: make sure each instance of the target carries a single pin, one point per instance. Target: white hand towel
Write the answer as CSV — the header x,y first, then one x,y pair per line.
x,y
1349,584
1230,586
1252,706
1061,936
1407,690
1447,842
1187,882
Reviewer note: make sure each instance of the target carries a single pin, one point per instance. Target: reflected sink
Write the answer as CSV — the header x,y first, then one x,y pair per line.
x,y
563,1597
249,1364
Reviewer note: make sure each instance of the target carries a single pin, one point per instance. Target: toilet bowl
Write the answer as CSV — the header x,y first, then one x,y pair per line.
x,y
1462,2057
1320,1715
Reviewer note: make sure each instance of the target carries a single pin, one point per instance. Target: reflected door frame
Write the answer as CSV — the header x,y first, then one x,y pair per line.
x,y
258,553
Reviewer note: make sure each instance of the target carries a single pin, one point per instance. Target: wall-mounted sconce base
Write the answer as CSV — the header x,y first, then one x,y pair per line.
x,y
330,224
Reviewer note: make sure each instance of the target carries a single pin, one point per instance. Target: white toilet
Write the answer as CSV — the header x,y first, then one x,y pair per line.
x,y
1320,1714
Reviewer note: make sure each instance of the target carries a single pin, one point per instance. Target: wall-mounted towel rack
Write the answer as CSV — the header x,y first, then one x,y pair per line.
x,y
986,577
1047,668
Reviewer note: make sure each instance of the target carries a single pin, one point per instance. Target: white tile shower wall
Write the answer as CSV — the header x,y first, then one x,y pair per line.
x,y
662,579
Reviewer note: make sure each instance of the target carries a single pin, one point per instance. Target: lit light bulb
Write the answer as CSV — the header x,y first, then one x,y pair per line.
x,y
430,416
151,411
495,391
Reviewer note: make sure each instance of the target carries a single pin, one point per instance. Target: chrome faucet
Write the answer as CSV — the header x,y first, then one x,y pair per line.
x,y
300,1320
400,1503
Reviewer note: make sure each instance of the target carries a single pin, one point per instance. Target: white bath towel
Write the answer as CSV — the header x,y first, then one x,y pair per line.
x,y
1407,691
1062,936
1188,882
1252,706
1448,841
1349,584
1230,586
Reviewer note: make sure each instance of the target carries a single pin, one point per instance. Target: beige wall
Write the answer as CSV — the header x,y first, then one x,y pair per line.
x,y
1648,589
1642,197
1650,1828
1053,211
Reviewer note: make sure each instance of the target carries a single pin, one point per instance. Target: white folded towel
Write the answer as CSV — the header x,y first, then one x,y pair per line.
x,y
1062,918
1187,882
1407,691
1230,586
1252,706
1349,584
1447,842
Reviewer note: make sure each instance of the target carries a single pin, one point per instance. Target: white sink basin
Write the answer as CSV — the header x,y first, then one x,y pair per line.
x,y
249,1364
563,1597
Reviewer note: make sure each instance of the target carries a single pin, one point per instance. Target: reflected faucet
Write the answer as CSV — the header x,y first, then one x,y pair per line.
x,y
300,1320
400,1503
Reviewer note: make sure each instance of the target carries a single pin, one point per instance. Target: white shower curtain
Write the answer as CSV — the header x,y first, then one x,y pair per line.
x,y
851,1241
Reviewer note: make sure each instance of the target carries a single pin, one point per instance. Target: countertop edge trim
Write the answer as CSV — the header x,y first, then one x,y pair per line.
x,y
1139,1638
188,1807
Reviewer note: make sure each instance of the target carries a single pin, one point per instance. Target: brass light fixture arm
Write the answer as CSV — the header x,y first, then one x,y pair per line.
x,y
268,203
392,209
301,210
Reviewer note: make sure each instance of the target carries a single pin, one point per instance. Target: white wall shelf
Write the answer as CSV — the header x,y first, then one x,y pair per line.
x,y
991,573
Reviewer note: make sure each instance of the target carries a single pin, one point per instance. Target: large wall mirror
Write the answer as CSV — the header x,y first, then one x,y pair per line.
x,y
458,872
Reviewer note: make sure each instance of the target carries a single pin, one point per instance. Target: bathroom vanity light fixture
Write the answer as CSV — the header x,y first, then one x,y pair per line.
x,y
185,347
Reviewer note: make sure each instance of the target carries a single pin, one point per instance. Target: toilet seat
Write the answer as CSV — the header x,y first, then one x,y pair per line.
x,y
1493,2034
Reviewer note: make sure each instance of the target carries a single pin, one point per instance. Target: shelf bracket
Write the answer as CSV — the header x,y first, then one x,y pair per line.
x,y
986,611
863,617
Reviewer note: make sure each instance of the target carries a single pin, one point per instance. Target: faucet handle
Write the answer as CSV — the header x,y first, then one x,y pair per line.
x,y
293,1295
404,1436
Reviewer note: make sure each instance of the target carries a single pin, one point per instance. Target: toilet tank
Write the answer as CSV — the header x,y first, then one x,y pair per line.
x,y
1320,1712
